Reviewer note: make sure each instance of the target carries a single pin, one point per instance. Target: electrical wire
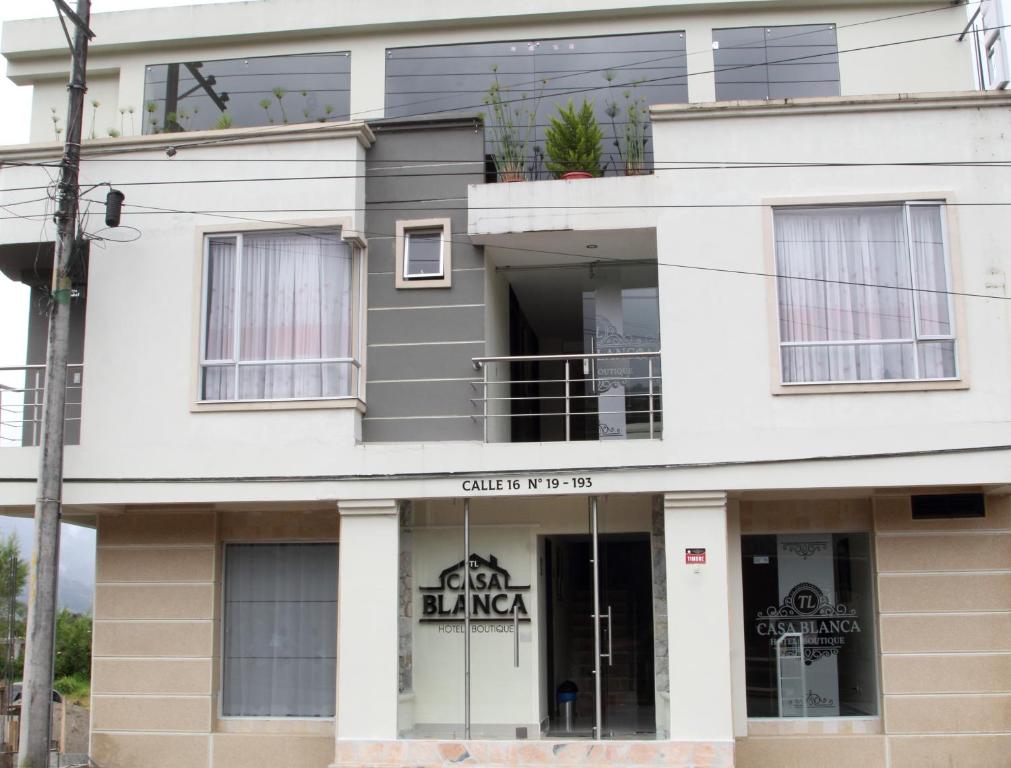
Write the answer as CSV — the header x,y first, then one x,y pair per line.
x,y
399,206
685,55
590,259
456,110
673,166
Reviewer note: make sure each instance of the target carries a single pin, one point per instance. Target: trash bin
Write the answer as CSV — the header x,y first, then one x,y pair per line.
x,y
567,703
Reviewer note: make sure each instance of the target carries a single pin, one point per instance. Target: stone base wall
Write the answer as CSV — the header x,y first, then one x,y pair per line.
x,y
492,754
944,630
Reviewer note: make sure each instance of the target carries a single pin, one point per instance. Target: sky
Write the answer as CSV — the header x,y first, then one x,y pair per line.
x,y
77,552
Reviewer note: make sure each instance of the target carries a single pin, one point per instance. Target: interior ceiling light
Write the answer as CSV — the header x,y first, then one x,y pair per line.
x,y
591,246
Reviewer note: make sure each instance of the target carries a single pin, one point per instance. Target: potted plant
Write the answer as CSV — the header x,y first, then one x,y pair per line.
x,y
573,141
512,129
634,137
630,138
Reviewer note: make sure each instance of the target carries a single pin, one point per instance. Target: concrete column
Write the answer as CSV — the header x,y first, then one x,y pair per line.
x,y
698,617
367,591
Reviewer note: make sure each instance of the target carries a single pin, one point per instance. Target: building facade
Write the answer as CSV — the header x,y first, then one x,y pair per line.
x,y
402,451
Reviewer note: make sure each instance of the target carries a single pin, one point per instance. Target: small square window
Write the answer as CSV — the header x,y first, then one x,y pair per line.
x,y
424,254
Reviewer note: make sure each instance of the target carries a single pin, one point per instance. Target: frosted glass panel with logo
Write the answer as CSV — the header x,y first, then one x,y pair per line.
x,y
809,625
487,688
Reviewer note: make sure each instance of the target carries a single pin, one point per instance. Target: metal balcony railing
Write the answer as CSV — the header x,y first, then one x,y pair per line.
x,y
22,389
602,396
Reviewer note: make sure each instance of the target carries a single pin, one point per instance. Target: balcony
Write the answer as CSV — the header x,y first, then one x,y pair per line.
x,y
600,396
22,392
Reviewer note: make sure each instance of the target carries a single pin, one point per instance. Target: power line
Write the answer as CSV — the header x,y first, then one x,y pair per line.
x,y
155,210
685,55
662,168
251,135
591,259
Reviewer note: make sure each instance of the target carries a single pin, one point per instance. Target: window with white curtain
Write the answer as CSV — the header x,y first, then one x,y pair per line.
x,y
278,319
864,293
280,630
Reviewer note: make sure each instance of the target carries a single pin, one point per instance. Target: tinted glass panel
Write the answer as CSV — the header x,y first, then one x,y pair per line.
x,y
280,630
776,62
266,90
615,73
809,625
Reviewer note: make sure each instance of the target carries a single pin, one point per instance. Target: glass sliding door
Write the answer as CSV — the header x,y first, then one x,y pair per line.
x,y
500,655
527,618
602,626
624,580
431,642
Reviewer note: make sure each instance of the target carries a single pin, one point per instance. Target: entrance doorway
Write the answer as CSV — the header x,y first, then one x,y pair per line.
x,y
504,600
626,696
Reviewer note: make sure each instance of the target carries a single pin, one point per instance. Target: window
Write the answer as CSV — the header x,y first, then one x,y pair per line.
x,y
630,72
235,93
423,255
280,630
994,39
864,294
947,506
278,320
424,251
776,62
809,625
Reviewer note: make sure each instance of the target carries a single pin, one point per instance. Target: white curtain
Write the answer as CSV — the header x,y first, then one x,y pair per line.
x,y
844,277
295,303
937,358
280,630
219,381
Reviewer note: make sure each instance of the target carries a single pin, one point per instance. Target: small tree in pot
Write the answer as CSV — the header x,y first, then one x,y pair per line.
x,y
573,141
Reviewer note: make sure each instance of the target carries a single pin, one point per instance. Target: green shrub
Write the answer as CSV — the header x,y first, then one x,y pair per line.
x,y
73,645
74,688
573,140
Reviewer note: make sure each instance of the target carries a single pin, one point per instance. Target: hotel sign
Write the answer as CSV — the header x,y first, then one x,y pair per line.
x,y
493,596
807,611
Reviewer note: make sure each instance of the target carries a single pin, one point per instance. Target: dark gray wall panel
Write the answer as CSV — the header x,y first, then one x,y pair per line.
x,y
423,398
406,180
422,430
425,361
468,288
403,326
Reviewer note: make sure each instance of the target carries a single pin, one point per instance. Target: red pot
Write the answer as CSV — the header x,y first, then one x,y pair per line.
x,y
577,175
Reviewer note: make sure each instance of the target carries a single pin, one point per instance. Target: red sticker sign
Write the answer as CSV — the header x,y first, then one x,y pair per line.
x,y
695,556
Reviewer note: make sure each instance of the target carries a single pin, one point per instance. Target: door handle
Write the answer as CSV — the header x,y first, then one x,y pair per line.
x,y
610,648
516,637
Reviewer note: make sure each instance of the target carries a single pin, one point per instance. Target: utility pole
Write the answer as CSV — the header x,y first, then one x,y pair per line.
x,y
40,637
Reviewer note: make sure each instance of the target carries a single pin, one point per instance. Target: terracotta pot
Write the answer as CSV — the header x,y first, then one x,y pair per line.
x,y
577,175
511,176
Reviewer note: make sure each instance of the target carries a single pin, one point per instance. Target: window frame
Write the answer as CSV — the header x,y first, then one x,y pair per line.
x,y
220,639
949,230
404,229
356,397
